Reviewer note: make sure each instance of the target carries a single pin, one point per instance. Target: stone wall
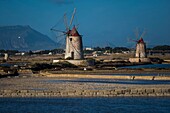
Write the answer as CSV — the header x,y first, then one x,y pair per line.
x,y
86,93
137,60
77,62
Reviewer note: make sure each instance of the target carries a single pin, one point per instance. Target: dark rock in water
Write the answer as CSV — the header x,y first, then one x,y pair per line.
x,y
24,38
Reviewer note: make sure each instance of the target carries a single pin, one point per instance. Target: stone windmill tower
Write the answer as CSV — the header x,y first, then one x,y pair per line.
x,y
140,49
74,45
140,52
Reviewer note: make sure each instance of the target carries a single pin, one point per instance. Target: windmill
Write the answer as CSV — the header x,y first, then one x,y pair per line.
x,y
140,50
73,40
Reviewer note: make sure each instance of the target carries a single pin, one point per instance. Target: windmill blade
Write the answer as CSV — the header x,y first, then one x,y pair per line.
x,y
77,26
131,40
58,30
60,35
132,46
137,33
71,21
65,22
60,39
59,22
143,34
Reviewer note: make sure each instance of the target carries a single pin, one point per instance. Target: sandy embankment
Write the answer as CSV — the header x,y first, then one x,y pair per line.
x,y
104,76
62,86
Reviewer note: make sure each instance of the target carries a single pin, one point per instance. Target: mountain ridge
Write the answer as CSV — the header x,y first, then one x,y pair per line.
x,y
20,37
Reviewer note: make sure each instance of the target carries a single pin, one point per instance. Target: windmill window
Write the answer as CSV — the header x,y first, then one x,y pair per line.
x,y
70,39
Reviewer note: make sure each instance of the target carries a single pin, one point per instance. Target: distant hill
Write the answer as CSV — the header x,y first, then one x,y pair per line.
x,y
24,38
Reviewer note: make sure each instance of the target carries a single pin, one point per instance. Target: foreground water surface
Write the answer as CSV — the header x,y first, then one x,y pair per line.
x,y
86,105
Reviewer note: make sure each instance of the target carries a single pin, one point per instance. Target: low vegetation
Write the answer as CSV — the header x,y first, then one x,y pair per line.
x,y
102,50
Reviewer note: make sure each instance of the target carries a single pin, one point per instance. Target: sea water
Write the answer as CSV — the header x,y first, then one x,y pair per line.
x,y
86,105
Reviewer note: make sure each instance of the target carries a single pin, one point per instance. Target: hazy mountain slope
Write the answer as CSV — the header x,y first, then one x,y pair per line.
x,y
24,38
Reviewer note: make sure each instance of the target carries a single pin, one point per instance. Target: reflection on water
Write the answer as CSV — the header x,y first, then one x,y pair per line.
x,y
85,105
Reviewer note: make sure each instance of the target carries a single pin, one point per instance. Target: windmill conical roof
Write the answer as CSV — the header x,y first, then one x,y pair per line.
x,y
141,40
74,32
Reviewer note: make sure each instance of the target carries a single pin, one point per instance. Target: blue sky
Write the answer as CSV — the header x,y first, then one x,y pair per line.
x,y
101,22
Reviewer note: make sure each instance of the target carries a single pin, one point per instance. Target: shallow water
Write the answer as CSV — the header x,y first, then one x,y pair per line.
x,y
141,74
109,81
147,66
86,105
